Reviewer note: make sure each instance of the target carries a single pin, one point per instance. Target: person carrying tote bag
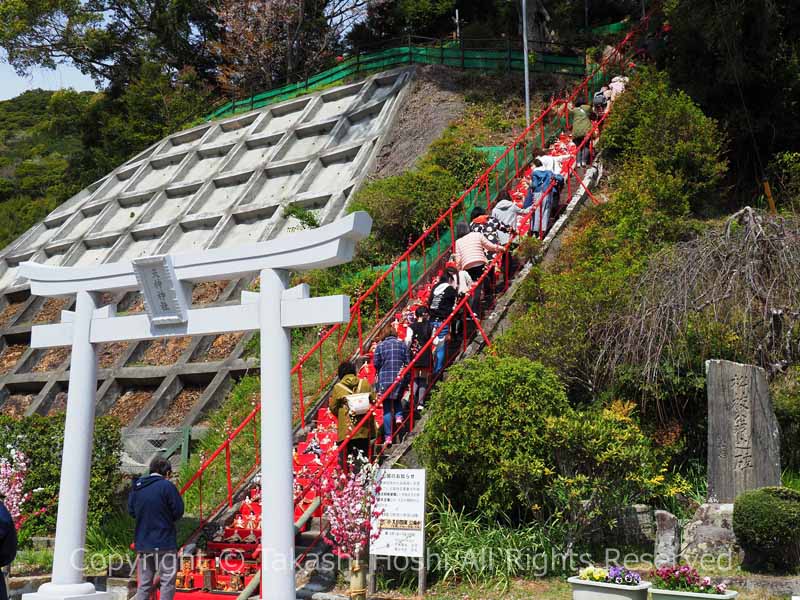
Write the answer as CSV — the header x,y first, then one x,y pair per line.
x,y
346,403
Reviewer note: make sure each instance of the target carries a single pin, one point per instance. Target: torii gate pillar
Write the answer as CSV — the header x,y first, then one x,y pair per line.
x,y
73,497
277,535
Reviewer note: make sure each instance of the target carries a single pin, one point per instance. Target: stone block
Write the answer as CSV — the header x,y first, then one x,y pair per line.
x,y
668,539
709,534
743,434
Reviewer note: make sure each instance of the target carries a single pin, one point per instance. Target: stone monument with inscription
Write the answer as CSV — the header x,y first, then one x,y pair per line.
x,y
743,434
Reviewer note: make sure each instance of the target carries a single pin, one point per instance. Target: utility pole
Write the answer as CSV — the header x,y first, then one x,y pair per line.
x,y
458,27
525,61
586,14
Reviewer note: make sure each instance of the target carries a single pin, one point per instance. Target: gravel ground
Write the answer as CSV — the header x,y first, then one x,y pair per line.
x,y
165,351
129,404
221,347
51,311
52,359
10,357
16,404
435,100
180,407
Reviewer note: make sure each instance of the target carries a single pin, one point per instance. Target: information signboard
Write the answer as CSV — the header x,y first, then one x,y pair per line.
x,y
163,295
401,505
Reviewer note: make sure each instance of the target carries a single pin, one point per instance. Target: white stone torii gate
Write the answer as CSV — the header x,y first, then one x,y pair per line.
x,y
274,310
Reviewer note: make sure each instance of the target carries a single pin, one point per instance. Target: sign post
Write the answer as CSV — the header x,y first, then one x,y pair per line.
x,y
166,283
401,505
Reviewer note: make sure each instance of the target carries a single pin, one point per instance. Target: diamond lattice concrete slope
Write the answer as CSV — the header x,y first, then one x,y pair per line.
x,y
220,184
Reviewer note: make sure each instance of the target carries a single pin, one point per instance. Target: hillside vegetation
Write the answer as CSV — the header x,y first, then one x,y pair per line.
x,y
35,158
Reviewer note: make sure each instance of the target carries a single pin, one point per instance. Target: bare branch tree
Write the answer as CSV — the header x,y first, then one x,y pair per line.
x,y
743,277
265,43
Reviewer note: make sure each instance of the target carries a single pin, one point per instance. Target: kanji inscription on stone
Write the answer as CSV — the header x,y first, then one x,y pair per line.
x,y
743,434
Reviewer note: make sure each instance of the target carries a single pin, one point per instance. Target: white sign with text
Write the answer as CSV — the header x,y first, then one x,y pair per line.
x,y
401,505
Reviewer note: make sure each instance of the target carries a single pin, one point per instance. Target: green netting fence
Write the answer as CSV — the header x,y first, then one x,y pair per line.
x,y
509,59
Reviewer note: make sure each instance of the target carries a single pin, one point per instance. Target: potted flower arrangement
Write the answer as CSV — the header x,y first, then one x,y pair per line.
x,y
614,583
684,582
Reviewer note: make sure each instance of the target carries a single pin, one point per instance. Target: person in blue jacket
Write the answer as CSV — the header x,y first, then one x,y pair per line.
x,y
156,505
542,180
8,545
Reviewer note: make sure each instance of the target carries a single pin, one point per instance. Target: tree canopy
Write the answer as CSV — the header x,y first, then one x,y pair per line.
x,y
108,39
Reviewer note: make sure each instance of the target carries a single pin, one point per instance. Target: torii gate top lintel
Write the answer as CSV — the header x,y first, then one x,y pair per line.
x,y
325,246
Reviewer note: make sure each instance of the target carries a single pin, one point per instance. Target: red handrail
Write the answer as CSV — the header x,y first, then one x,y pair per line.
x,y
536,128
463,305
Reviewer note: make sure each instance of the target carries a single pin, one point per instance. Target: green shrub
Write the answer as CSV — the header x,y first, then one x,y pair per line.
x,y
502,439
41,439
460,158
653,121
402,206
786,402
766,523
596,463
486,413
529,248
567,306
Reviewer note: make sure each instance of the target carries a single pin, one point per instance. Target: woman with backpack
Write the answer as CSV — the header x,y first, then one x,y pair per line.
x,y
348,410
417,335
443,301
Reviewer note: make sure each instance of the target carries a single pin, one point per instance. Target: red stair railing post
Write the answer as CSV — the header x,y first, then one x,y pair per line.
x,y
478,325
200,496
256,444
464,321
508,269
408,272
228,472
360,335
452,233
321,366
412,404
300,393
569,185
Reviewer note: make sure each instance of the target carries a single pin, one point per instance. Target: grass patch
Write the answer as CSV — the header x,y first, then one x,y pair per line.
x,y
474,549
791,479
239,403
31,561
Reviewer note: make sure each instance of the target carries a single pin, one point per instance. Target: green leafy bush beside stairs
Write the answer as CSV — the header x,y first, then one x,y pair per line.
x,y
766,523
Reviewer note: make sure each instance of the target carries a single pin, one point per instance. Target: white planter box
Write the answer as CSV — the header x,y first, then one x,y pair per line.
x,y
595,590
674,595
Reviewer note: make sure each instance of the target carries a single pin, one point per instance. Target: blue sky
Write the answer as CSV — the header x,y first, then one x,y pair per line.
x,y
65,76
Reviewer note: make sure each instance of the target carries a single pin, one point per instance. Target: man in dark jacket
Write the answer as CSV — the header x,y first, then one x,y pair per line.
x,y
8,545
156,505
